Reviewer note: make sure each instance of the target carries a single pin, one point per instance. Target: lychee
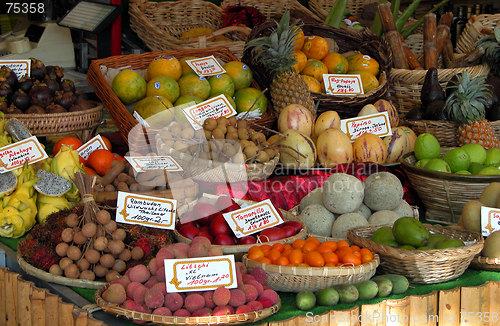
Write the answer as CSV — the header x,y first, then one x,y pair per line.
x,y
201,240
241,267
160,274
154,298
257,286
202,312
139,273
115,293
247,277
209,299
153,266
162,311
128,304
244,309
259,274
215,251
139,294
131,288
222,311
250,292
198,250
221,296
255,305
180,250
173,301
194,302
162,286
266,302
151,282
182,313
124,280
237,298
272,295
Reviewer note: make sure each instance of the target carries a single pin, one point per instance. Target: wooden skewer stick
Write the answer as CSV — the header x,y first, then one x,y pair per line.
x,y
443,31
392,36
430,47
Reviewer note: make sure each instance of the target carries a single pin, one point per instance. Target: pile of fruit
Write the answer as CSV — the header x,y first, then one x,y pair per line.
x,y
44,91
345,202
206,220
311,253
143,288
379,286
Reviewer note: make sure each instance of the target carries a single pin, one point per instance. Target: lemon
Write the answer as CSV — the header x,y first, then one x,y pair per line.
x,y
427,146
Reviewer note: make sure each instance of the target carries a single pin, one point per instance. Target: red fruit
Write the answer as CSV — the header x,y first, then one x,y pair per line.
x,y
203,213
271,234
296,225
289,231
205,228
249,239
206,235
180,224
226,204
224,240
219,226
189,231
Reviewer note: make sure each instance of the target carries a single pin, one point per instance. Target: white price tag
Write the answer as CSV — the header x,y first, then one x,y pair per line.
x,y
14,155
490,220
149,211
343,84
200,274
253,218
145,163
207,66
22,67
378,124
215,107
93,144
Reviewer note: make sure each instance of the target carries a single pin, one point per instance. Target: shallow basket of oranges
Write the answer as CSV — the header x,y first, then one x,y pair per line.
x,y
312,265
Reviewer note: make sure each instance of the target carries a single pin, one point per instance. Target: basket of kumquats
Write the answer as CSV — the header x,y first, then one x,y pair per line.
x,y
310,265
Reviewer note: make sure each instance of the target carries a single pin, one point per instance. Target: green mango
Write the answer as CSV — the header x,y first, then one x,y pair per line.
x,y
384,233
410,231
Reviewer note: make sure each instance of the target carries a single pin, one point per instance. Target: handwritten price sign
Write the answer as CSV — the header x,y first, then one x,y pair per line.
x,y
149,211
343,84
93,144
207,66
145,163
195,274
377,124
254,218
490,220
215,107
21,67
13,156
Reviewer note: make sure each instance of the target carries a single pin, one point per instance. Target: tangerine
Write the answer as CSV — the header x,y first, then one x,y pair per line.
x,y
278,246
286,252
315,47
256,255
100,160
265,260
287,246
336,63
315,259
355,248
274,254
363,62
107,143
253,248
164,65
265,247
301,59
89,170
315,68
74,142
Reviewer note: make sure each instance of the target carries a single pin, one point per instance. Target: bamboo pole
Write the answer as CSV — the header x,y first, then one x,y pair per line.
x,y
392,36
430,47
11,299
24,290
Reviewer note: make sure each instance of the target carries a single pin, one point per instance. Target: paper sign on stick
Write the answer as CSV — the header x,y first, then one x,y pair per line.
x,y
215,107
145,163
377,124
490,220
200,274
149,211
254,218
343,84
207,66
22,67
14,155
94,144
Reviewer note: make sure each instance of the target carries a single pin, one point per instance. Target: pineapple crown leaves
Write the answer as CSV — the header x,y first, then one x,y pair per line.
x,y
491,46
469,100
274,52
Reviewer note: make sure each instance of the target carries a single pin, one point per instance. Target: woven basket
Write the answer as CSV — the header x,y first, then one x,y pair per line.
x,y
53,124
151,319
486,263
46,276
240,250
160,24
444,194
119,113
474,30
366,43
422,266
446,132
296,279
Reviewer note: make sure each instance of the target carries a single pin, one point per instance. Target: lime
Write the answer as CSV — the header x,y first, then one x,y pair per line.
x,y
458,159
427,146
492,157
477,153
305,300
463,172
422,163
489,170
475,167
438,164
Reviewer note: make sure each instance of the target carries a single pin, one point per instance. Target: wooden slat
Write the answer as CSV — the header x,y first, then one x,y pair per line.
x,y
11,299
398,312
3,313
66,313
494,288
424,309
24,291
80,317
475,301
38,306
347,317
372,314
449,307
52,310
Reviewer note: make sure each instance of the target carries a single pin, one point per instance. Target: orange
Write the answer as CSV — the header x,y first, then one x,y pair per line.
x,y
107,143
296,257
274,254
312,84
278,246
265,260
322,249
301,61
253,248
357,253
366,255
315,47
315,259
342,243
194,85
315,68
164,65
298,40
287,246
363,62
309,246
351,259
355,248
297,244
71,141
331,244
256,255
186,69
286,252
336,63
283,261
331,257
368,80
89,171
100,160
129,86
163,86
313,239
240,73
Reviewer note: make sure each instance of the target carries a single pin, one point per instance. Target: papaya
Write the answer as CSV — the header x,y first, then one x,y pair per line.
x,y
410,231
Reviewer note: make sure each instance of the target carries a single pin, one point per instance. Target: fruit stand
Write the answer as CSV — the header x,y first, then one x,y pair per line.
x,y
264,167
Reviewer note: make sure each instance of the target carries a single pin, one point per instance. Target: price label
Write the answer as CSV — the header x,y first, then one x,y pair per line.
x,y
490,220
145,163
377,124
215,107
254,218
21,67
200,274
343,84
207,66
14,155
93,144
149,211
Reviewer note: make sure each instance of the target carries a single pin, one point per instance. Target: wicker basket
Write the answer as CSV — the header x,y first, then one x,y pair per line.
x,y
296,279
446,132
486,263
474,30
83,123
422,266
119,113
151,319
444,194
240,250
366,43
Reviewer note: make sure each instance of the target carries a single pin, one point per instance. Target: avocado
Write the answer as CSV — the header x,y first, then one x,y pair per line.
x,y
436,111
431,89
410,231
417,113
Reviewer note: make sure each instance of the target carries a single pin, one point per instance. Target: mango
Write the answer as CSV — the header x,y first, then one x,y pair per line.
x,y
348,293
434,239
367,289
384,285
410,231
327,297
399,283
383,233
450,243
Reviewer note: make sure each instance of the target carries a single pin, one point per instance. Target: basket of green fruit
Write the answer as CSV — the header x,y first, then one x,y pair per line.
x,y
424,253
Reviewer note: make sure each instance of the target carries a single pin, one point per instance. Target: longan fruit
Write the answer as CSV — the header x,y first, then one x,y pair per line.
x,y
243,124
218,133
193,149
204,156
102,216
100,231
198,134
116,246
187,133
125,255
79,238
89,229
65,262
100,271
119,234
231,129
72,271
92,256
242,134
61,249
74,253
119,265
72,220
223,121
110,226
137,253
232,135
207,134
175,129
100,243
67,234
83,264
232,121
258,137
107,260
169,142
270,152
214,156
251,151
112,275
262,157
56,270
87,275
229,150
209,124
181,146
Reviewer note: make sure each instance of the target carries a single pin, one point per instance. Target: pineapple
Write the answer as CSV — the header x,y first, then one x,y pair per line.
x,y
491,45
467,107
274,54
